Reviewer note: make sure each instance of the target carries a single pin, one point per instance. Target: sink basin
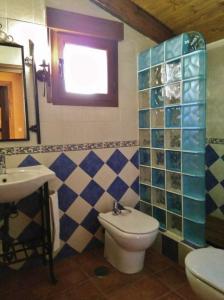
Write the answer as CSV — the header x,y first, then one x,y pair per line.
x,y
21,182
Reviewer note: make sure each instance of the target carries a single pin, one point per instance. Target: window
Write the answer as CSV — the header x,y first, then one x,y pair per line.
x,y
84,63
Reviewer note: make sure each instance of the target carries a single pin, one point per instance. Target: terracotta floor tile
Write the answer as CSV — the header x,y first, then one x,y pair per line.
x,y
86,291
173,277
157,262
187,292
171,296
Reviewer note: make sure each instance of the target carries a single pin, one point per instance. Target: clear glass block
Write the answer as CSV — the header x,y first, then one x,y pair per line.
x,y
174,224
145,175
157,138
157,118
194,65
144,59
173,139
144,137
160,215
158,158
193,116
145,193
143,79
146,208
193,163
144,116
193,41
174,203
157,97
173,71
157,54
144,99
173,182
194,210
173,160
172,93
194,233
173,47
144,155
193,139
158,178
194,91
158,197
173,117
194,187
158,75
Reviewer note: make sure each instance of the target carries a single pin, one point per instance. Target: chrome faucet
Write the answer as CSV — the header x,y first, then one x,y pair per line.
x,y
2,164
117,208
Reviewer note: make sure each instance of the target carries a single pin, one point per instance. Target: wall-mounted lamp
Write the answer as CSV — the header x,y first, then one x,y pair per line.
x,y
44,74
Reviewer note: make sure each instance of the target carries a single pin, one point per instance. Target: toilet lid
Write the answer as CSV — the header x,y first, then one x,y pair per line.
x,y
134,221
208,265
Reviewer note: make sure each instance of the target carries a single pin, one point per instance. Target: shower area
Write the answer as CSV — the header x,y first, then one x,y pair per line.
x,y
172,136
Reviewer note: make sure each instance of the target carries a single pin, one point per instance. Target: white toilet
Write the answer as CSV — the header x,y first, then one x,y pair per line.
x,y
205,272
127,236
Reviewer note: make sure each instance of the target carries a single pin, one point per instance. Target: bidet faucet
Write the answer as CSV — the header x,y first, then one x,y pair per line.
x,y
117,208
2,164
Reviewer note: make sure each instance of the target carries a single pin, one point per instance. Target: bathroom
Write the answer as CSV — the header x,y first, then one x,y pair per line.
x,y
94,153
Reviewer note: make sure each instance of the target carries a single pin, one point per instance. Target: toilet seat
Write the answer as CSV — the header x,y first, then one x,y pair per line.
x,y
132,222
207,265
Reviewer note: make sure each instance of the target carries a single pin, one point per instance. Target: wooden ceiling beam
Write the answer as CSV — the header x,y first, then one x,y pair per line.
x,y
137,18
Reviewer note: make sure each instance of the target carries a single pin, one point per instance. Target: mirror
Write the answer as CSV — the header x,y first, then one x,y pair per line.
x,y
13,102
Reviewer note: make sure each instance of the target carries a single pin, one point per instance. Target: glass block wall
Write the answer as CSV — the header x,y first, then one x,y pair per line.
x,y
172,93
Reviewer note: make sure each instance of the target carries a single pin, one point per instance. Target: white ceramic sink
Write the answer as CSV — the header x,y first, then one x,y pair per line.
x,y
18,183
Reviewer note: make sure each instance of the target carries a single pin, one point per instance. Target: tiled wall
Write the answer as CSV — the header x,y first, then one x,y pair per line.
x,y
87,182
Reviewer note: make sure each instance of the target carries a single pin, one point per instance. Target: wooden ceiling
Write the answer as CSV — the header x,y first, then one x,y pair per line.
x,y
162,19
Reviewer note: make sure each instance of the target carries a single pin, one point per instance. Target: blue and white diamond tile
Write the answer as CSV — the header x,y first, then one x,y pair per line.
x,y
117,161
210,205
29,161
63,166
77,243
91,222
18,224
66,251
66,197
91,164
78,180
128,173
130,198
92,192
135,185
210,155
117,188
135,159
105,203
105,176
211,181
67,227
31,231
79,209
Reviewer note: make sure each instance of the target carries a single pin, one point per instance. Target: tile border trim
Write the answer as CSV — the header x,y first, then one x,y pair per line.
x,y
218,141
66,147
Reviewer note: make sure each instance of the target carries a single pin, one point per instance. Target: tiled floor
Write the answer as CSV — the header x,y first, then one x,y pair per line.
x,y
161,279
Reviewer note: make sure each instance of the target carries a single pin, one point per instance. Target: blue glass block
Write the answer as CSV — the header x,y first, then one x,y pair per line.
x,y
174,203
194,210
144,60
146,208
193,41
173,160
173,182
144,156
193,163
194,65
194,90
158,197
173,71
145,193
194,187
173,117
174,224
193,116
193,139
158,75
158,178
158,158
157,97
144,119
173,47
144,99
194,233
160,215
158,138
157,54
143,79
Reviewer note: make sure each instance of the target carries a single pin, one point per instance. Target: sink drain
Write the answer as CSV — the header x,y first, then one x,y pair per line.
x,y
101,271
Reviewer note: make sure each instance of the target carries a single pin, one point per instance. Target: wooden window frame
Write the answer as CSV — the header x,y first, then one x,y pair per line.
x,y
87,31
